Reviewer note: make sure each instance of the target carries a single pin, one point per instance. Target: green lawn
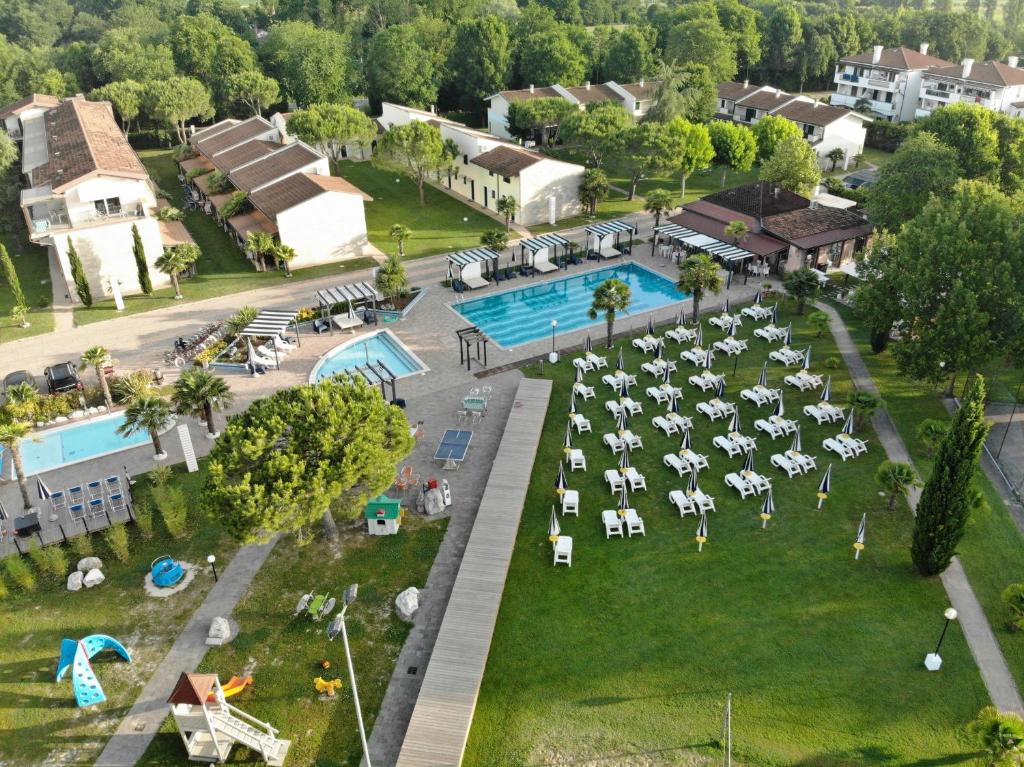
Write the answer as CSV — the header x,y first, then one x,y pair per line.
x,y
223,269
41,722
33,267
626,658
283,653
442,225
992,551
877,157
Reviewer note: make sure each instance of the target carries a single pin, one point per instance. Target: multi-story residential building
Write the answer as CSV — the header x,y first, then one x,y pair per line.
x,y
545,189
887,81
86,186
635,98
992,84
825,127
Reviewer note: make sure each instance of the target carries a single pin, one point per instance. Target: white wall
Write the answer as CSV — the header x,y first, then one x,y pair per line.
x,y
80,199
330,227
497,117
848,134
546,179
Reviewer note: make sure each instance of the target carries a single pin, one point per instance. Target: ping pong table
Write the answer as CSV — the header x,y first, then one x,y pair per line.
x,y
453,447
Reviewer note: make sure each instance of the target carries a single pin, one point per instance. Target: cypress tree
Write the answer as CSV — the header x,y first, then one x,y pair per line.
x,y
11,276
145,284
945,501
78,275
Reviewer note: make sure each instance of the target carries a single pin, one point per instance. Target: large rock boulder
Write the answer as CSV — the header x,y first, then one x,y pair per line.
x,y
93,578
220,631
407,603
85,564
75,581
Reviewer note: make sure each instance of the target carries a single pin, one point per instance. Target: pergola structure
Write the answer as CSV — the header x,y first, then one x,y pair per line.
x,y
470,263
377,374
543,244
270,324
599,233
351,294
467,338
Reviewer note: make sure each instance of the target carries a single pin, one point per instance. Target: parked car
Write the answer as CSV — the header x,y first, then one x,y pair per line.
x,y
18,377
62,377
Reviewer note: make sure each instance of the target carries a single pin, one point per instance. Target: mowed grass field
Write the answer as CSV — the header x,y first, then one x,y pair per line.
x,y
627,657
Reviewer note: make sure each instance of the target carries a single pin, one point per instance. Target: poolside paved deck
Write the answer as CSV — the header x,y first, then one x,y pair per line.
x,y
440,722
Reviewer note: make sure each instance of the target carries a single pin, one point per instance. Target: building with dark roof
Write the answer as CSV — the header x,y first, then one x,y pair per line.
x,y
884,81
994,85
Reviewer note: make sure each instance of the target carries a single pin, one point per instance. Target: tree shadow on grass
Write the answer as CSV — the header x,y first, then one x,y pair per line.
x,y
880,755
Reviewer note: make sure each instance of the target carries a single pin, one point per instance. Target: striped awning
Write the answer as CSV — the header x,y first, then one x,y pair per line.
x,y
544,241
605,228
268,324
466,257
723,250
356,291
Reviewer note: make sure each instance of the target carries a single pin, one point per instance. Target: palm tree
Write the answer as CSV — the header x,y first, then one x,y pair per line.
x,y
285,253
1000,734
259,245
698,275
11,435
134,385
22,400
658,202
151,414
864,404
199,393
802,285
896,479
98,358
737,230
176,260
610,297
507,206
931,431
495,239
400,233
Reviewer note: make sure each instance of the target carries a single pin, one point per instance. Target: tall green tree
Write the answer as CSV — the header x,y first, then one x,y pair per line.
x,y
176,100
703,41
11,435
309,63
697,150
734,145
921,167
687,90
252,89
539,117
8,152
781,38
332,127
283,463
610,297
126,96
969,130
200,393
78,275
400,233
896,479
416,150
630,56
877,298
802,285
646,149
151,414
399,70
659,202
593,189
392,280
481,55
591,130
698,276
551,57
771,130
945,504
1000,734
11,277
794,166
507,206
142,268
98,357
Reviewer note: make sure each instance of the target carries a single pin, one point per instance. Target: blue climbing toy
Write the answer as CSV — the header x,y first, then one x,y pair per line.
x,y
166,572
76,655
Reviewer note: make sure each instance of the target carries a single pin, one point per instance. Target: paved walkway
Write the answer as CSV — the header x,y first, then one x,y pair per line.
x,y
444,709
143,721
999,682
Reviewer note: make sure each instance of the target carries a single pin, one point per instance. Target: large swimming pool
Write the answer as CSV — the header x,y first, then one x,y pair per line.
x,y
382,346
64,445
524,314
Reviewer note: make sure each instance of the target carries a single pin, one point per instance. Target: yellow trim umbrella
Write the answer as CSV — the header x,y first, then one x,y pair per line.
x,y
620,363
554,530
767,509
825,486
561,484
858,545
702,531
624,465
572,404
623,500
622,421
567,441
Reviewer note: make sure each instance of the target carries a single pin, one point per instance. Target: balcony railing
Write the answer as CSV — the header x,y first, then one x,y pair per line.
x,y
939,94
61,220
50,223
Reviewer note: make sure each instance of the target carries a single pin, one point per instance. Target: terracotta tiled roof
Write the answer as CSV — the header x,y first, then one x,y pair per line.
x,y
812,227
297,189
758,244
897,58
236,134
34,100
642,91
731,91
758,199
594,93
211,130
991,73
289,159
506,160
195,162
174,233
813,113
230,159
254,221
193,689
526,95
83,139
766,99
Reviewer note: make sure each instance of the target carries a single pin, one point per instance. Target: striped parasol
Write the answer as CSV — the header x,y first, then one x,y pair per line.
x,y
691,487
848,424
561,485
732,328
650,324
780,409
680,318
795,446
673,403
807,359
728,305
622,421
588,345
858,545
42,490
775,314
579,375
624,389
734,422
757,297
709,359
787,339
666,375
699,340
620,363
572,404
567,441
623,500
624,465
554,530
748,462
661,349
826,390
767,509
702,531
3,512
720,387
686,443
762,379
825,486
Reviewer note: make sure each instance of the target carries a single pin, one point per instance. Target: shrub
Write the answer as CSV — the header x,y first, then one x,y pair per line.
x,y
1000,734
1013,595
819,321
160,475
20,573
218,183
184,152
43,302
240,319
3,589
236,205
78,275
930,432
173,507
144,519
196,173
81,545
307,313
117,541
169,213
832,363
51,561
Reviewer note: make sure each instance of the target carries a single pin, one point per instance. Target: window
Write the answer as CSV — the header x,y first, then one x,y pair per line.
x,y
636,106
490,173
493,194
465,159
506,179
108,207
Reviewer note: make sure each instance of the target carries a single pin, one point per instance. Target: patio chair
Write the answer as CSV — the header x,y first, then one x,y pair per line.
x,y
634,441
834,413
681,421
577,460
761,483
704,501
587,392
94,489
667,426
698,461
723,321
637,481
113,484
683,502
805,462
818,414
770,333
741,485
682,334
613,407
712,410
58,500
77,511
614,479
772,430
95,507
75,495
117,502
782,461
406,478
615,382
728,347
746,444
634,407
583,364
581,423
647,344
673,461
634,524
613,441
612,524
856,444
563,550
571,502
798,381
598,362
724,443
696,355
837,447
658,394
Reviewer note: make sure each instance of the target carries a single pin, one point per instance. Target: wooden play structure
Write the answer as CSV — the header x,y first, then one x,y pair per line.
x,y
383,515
210,726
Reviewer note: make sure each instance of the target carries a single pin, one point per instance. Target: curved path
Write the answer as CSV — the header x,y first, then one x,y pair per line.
x,y
1001,686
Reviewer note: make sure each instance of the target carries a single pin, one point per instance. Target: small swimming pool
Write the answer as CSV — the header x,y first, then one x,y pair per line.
x,y
76,442
382,346
524,314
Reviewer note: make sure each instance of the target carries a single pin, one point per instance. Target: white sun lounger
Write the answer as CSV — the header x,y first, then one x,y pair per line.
x,y
647,344
667,426
637,481
698,461
596,360
760,395
587,392
725,321
726,444
581,422
634,524
837,447
673,461
858,445
770,333
583,364
786,356
682,334
563,550
613,441
656,368
730,346
695,355
474,282
577,460
756,312
683,502
634,407
633,440
805,462
773,430
658,394
681,421
823,413
571,502
706,381
716,408
613,407
543,266
614,479
612,524
780,461
743,486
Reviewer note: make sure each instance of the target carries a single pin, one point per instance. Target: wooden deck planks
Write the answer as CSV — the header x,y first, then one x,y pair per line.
x,y
440,722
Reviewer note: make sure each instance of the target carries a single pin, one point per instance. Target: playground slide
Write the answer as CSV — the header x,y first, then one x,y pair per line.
x,y
234,686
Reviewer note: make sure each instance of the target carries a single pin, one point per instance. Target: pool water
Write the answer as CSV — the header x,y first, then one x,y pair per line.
x,y
76,442
519,316
382,346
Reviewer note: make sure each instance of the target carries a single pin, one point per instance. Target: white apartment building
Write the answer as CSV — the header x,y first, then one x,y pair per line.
x,y
25,109
992,84
635,98
885,80
489,168
825,127
85,185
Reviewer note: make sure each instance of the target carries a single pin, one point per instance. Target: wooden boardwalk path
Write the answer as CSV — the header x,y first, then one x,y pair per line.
x,y
440,722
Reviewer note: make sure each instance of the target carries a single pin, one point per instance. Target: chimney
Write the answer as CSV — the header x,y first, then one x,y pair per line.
x,y
641,82
587,84
531,87
814,205
1012,61
876,54
967,64
746,83
816,102
924,49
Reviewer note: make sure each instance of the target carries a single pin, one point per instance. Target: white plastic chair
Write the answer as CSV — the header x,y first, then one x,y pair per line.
x,y
571,502
614,479
612,524
563,550
634,524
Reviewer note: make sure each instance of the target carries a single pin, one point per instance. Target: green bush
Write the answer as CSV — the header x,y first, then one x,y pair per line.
x,y
51,562
20,573
160,475
832,363
196,173
144,519
117,541
81,545
218,183
236,205
170,213
173,507
1013,596
210,353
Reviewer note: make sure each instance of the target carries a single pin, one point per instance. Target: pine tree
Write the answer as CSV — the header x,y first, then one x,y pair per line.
x,y
145,284
11,277
78,275
945,501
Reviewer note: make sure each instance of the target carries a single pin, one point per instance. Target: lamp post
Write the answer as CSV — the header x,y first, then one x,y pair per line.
x,y
553,357
213,565
338,626
933,661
